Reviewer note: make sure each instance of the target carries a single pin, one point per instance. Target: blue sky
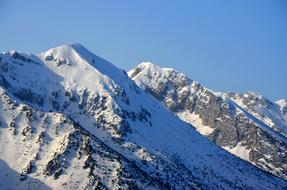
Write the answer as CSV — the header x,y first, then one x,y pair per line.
x,y
225,45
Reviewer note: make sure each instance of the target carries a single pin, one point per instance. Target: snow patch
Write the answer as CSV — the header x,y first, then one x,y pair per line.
x,y
196,121
240,151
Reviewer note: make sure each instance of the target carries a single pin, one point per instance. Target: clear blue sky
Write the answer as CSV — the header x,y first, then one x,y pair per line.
x,y
226,45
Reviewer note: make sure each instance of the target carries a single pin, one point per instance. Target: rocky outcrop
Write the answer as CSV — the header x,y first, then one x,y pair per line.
x,y
231,125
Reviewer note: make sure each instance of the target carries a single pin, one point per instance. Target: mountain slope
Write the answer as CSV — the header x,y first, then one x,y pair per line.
x,y
247,125
271,114
283,108
72,120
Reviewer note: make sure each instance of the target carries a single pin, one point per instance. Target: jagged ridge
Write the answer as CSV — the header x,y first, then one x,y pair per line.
x,y
247,125
78,90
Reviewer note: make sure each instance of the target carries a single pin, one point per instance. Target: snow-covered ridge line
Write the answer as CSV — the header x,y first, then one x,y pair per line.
x,y
43,105
232,120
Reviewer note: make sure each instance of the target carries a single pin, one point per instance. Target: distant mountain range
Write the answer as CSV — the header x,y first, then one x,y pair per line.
x,y
72,120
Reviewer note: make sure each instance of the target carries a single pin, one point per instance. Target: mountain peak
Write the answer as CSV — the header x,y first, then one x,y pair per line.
x,y
282,102
76,53
149,69
149,73
74,60
152,66
148,64
70,45
65,51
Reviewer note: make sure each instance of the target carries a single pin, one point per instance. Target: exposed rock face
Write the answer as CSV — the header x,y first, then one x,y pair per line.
x,y
94,128
248,125
98,165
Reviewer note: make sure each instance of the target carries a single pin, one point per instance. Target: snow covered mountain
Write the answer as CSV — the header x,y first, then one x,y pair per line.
x,y
245,124
283,107
71,120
